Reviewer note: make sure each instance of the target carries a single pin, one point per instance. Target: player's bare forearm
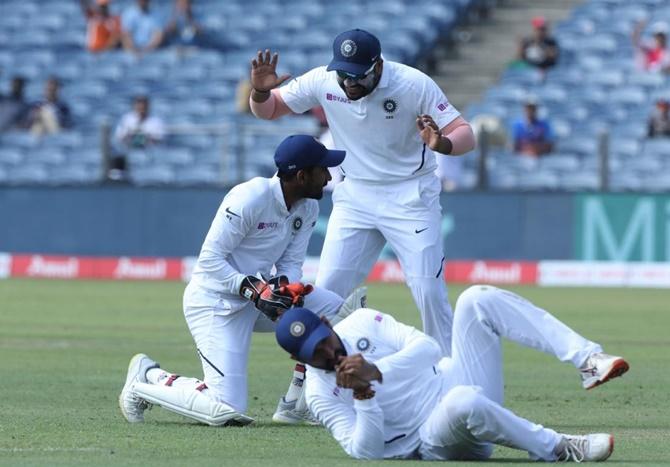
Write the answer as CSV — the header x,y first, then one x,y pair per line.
x,y
270,108
460,134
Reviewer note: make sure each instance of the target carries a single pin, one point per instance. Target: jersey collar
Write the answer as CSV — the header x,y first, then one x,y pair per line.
x,y
278,195
386,75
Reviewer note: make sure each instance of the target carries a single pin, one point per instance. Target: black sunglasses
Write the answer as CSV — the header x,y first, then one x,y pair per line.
x,y
354,77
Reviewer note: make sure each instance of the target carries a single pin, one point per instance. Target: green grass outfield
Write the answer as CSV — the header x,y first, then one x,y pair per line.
x,y
65,346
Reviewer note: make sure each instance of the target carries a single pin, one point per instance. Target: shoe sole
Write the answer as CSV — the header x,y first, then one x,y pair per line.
x,y
128,383
283,420
619,367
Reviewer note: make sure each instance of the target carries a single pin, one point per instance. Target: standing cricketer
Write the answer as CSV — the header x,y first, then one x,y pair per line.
x,y
388,117
262,225
383,390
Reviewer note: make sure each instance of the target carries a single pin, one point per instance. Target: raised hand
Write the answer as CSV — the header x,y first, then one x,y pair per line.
x,y
429,131
264,72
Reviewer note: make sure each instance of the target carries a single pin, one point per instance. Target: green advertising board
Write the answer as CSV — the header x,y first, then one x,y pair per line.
x,y
619,227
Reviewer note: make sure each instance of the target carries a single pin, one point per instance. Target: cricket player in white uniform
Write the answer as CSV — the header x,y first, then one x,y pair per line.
x,y
389,118
384,390
262,224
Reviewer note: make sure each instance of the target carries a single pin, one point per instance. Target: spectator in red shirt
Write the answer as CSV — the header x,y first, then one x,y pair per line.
x,y
653,55
103,30
659,121
540,50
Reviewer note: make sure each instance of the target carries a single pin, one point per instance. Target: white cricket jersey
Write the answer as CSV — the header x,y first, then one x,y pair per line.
x,y
388,424
378,131
252,232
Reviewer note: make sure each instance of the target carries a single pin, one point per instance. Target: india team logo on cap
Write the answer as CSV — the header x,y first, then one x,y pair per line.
x,y
348,48
297,329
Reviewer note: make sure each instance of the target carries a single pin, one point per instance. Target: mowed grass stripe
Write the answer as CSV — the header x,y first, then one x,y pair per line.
x,y
65,346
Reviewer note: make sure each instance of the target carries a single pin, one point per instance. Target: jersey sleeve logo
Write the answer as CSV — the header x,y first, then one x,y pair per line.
x,y
230,214
442,106
297,223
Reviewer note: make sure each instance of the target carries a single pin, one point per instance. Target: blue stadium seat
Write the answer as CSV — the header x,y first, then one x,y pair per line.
x,y
581,181
11,156
156,175
28,174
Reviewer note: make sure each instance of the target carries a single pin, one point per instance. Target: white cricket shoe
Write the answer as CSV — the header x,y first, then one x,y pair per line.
x,y
600,368
132,406
587,448
293,413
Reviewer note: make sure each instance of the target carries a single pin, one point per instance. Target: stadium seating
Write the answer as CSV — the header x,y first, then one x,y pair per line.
x,y
595,87
45,37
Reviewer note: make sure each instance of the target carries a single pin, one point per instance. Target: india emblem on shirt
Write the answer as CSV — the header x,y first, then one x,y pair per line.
x,y
297,223
363,344
348,48
390,105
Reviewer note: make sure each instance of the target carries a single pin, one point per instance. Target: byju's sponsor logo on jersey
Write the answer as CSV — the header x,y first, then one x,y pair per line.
x,y
267,225
335,98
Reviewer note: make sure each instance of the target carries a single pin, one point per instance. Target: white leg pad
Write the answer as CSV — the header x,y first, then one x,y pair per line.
x,y
357,299
192,404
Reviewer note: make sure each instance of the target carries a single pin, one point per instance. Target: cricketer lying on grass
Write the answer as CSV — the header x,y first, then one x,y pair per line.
x,y
384,390
262,224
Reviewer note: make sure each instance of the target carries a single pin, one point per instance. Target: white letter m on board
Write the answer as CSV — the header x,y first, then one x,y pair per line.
x,y
597,226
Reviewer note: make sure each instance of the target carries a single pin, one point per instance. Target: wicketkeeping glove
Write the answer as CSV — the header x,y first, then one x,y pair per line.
x,y
267,301
296,290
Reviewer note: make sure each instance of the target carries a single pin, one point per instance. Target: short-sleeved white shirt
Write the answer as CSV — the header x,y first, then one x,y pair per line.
x,y
378,131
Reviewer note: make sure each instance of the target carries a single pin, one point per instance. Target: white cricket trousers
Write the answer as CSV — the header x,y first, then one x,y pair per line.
x,y
223,340
408,216
470,417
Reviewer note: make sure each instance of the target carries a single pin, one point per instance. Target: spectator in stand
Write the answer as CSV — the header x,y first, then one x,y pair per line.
x,y
51,114
136,130
13,107
532,136
652,54
659,121
182,28
242,93
141,29
540,50
326,138
103,30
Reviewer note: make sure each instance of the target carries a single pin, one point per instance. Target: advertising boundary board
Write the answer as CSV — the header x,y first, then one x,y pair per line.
x,y
541,273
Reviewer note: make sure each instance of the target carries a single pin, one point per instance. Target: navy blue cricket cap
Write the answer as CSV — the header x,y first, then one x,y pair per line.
x,y
299,331
301,151
354,52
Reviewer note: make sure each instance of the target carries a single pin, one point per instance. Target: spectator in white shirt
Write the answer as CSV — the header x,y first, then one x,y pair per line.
x,y
383,390
136,130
